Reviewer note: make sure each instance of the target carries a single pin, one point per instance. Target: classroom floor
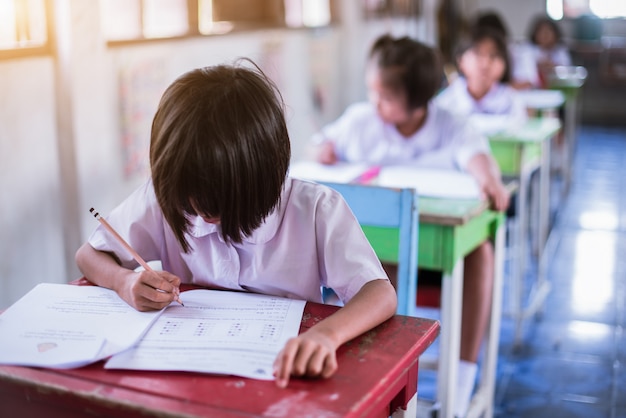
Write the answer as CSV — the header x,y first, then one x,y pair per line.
x,y
572,362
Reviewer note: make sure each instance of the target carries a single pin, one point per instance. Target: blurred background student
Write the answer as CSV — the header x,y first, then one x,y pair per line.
x,y
402,125
547,46
524,74
482,91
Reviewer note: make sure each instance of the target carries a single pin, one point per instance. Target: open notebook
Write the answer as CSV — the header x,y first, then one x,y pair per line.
x,y
66,326
427,181
338,173
431,182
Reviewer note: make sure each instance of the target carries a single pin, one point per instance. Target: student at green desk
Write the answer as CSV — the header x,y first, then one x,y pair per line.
x,y
481,92
220,211
401,125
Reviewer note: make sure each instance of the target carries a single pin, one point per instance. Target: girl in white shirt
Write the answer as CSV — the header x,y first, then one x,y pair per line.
x,y
524,74
482,92
400,125
219,211
547,47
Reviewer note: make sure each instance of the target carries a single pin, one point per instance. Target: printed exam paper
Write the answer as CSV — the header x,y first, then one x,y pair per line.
x,y
65,326
217,332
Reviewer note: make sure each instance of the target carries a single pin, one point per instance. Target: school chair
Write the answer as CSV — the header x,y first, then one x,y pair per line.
x,y
391,216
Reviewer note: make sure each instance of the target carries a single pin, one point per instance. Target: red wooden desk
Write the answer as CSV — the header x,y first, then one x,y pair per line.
x,y
377,374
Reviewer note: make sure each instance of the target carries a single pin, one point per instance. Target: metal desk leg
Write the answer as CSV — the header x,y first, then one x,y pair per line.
x,y
517,286
544,196
569,132
450,339
482,402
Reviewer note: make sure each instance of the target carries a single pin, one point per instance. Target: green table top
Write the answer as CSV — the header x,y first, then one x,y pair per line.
x,y
534,130
449,229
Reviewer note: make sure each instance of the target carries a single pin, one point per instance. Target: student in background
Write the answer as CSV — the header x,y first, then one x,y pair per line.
x,y
547,46
401,125
524,74
482,92
220,212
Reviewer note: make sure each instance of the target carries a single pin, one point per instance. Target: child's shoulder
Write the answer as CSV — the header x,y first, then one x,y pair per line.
x,y
360,110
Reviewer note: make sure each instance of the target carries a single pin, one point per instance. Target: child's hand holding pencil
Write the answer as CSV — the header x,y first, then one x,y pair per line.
x,y
146,289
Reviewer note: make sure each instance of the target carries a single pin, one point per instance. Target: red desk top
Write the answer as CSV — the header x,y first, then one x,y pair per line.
x,y
372,370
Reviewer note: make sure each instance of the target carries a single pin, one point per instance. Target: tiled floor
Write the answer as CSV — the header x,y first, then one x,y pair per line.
x,y
572,362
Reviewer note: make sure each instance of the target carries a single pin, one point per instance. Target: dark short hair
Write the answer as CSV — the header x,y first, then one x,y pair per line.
x,y
219,139
490,19
483,34
407,65
539,21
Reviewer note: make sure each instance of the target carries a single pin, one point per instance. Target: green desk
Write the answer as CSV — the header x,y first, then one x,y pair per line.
x,y
449,229
519,152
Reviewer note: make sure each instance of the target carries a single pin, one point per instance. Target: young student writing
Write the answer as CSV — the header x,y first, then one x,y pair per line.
x,y
482,92
219,211
401,125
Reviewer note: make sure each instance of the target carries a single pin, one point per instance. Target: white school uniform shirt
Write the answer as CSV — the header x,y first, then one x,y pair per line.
x,y
559,55
501,108
523,64
312,239
445,140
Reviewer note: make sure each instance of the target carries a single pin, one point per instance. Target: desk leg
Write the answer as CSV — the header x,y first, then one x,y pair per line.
x,y
541,289
516,294
569,132
482,404
410,412
450,339
544,196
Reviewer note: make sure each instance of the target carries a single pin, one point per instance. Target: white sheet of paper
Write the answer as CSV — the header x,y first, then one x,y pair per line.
x,y
431,182
542,98
490,124
217,332
340,172
64,326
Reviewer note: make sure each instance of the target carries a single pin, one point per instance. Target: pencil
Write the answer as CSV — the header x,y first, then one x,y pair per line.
x,y
128,248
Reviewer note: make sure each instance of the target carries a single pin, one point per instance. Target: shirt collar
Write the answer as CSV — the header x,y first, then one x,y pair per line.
x,y
265,232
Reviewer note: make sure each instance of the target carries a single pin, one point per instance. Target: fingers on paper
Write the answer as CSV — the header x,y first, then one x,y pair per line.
x,y
304,357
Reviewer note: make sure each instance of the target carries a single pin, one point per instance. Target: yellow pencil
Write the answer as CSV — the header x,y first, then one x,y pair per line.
x,y
130,250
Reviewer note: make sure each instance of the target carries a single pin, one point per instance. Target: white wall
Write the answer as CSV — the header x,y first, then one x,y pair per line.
x,y
31,242
517,14
60,120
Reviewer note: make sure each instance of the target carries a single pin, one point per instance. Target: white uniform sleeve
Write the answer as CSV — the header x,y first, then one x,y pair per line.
x,y
524,64
139,221
462,137
344,132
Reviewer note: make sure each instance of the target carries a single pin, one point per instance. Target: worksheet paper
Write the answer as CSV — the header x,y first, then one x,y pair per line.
x,y
66,326
428,182
217,332
340,172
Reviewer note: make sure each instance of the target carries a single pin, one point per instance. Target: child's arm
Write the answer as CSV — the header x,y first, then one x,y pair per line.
x,y
324,153
486,172
313,353
143,290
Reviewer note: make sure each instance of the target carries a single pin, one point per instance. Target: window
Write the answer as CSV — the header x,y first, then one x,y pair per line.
x,y
395,8
138,20
24,28
558,9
